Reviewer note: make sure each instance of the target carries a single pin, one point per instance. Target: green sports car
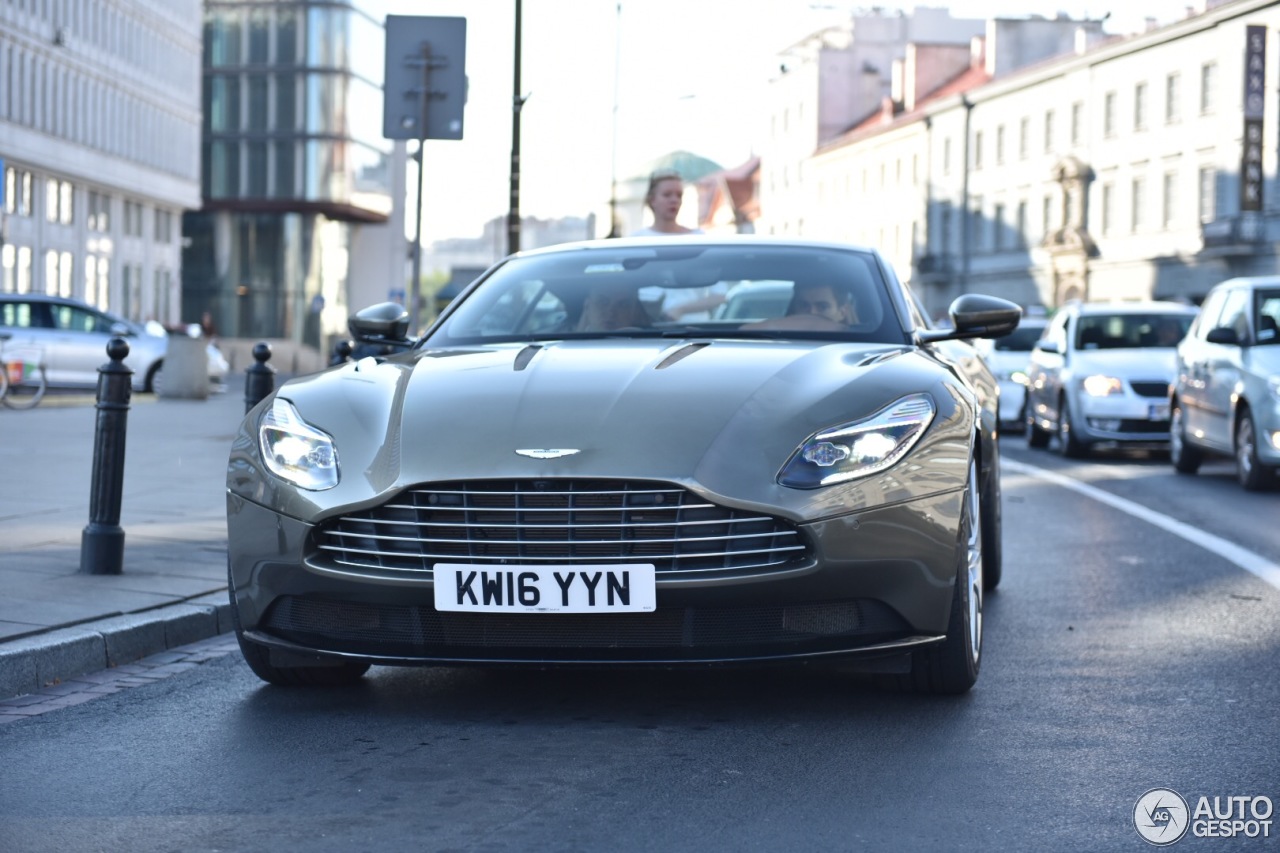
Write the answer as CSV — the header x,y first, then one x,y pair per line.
x,y
582,462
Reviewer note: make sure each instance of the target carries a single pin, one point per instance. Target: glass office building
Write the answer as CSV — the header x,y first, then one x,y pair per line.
x,y
293,164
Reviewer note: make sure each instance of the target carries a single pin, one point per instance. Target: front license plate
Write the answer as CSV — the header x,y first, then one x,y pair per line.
x,y
1158,412
545,589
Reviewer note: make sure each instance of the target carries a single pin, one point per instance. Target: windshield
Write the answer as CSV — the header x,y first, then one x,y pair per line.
x,y
1131,331
1021,339
678,291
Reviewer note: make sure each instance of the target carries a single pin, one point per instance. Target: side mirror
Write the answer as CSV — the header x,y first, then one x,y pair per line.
x,y
1049,346
121,330
1222,335
975,315
384,323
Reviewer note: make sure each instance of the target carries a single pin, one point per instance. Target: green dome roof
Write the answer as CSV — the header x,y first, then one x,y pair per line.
x,y
689,166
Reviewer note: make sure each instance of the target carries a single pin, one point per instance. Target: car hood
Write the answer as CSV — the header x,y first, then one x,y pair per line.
x,y
723,415
1156,363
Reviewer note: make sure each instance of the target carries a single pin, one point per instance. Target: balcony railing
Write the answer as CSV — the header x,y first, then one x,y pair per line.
x,y
1241,232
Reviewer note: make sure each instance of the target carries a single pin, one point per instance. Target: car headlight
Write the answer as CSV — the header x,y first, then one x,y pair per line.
x,y
1018,376
295,451
1102,386
860,448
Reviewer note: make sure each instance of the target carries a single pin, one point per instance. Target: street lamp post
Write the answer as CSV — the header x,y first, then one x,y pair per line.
x,y
513,214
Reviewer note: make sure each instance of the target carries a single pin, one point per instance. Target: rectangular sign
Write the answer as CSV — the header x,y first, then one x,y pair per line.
x,y
1255,79
425,78
464,587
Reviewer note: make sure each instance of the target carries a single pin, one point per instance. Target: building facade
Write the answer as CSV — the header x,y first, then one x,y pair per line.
x,y
1122,168
100,143
299,188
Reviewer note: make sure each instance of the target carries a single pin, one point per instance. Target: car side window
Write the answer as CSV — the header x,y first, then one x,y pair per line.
x,y
23,315
1208,317
1057,332
69,318
1235,314
1268,313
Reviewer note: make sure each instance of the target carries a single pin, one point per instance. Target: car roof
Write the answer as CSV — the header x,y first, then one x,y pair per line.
x,y
1091,308
1248,281
697,240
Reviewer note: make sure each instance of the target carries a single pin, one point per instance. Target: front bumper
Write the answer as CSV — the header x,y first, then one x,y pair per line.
x,y
875,583
1121,418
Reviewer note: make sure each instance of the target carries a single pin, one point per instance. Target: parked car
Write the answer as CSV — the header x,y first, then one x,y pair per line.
x,y
1227,397
558,473
1007,356
1101,373
72,338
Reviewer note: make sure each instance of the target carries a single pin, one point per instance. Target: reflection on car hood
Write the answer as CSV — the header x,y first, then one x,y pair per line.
x,y
1150,363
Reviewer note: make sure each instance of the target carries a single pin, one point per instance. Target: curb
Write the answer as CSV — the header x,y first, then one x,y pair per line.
x,y
31,663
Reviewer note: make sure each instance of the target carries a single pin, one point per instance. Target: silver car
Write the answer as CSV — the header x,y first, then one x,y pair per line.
x,y
1227,398
1007,356
71,337
1101,373
561,472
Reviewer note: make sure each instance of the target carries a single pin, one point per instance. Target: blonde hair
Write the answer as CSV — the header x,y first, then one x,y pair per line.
x,y
657,178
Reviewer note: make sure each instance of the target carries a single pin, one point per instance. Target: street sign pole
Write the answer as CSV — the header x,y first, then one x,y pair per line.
x,y
425,62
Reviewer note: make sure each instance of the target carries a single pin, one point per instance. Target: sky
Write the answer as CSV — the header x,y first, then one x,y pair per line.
x,y
611,85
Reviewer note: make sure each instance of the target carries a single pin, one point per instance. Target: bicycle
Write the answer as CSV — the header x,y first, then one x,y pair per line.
x,y
22,377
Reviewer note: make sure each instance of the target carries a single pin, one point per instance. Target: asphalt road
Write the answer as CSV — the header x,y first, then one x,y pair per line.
x,y
1121,656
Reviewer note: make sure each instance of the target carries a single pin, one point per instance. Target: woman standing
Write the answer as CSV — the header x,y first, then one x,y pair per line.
x,y
665,195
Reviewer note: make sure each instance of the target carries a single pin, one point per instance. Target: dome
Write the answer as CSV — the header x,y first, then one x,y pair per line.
x,y
687,165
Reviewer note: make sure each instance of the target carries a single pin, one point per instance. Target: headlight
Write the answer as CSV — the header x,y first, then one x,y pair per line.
x,y
296,451
1102,386
1018,376
861,448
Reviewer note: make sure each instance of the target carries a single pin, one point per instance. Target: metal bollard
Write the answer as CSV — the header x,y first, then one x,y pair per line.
x,y
259,377
102,542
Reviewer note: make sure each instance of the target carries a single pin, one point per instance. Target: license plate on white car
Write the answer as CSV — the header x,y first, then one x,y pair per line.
x,y
1158,412
545,589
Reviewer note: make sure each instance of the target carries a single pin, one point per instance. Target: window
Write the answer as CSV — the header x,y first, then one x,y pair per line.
x,y
1077,123
1169,203
1137,213
977,151
1046,214
946,156
1109,115
58,272
977,225
164,226
1024,138
1173,99
1140,106
17,191
1208,201
1048,132
99,212
997,224
57,201
1000,145
1108,207
1022,223
97,278
1208,86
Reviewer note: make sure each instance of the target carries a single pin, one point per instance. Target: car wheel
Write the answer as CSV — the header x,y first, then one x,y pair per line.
x,y
992,536
1068,445
155,378
1185,458
1036,437
259,659
951,667
1252,474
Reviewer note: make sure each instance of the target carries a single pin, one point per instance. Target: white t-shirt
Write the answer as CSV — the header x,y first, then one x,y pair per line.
x,y
650,232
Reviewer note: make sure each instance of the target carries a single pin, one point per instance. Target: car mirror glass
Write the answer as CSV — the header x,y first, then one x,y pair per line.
x,y
1222,335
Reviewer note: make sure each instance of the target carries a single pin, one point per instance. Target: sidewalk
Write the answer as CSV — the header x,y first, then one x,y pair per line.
x,y
56,623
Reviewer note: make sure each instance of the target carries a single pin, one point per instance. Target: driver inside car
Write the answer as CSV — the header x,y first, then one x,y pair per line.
x,y
815,306
606,310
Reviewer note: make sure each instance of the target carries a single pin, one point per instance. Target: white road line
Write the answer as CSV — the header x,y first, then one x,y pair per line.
x,y
1254,564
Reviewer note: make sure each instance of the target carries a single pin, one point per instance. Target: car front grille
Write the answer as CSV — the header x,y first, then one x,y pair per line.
x,y
422,631
554,522
1151,389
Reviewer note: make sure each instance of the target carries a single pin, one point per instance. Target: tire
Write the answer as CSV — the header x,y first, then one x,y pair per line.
x,y
258,657
951,667
992,523
26,395
1252,475
1185,458
1068,445
155,378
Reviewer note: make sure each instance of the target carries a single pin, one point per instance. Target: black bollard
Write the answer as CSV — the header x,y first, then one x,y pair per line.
x,y
102,543
259,377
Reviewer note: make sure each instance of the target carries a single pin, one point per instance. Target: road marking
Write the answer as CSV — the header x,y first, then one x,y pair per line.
x,y
1254,564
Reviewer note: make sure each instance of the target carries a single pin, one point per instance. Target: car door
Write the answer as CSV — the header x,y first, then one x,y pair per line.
x,y
24,326
77,345
1221,370
1044,372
